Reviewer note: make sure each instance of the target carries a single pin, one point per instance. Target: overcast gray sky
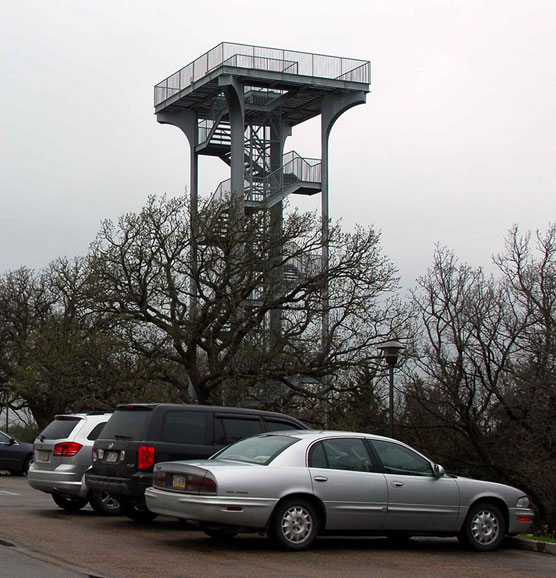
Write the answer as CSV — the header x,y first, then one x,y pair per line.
x,y
456,143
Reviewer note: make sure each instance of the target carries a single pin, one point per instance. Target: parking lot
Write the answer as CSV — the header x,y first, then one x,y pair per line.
x,y
91,545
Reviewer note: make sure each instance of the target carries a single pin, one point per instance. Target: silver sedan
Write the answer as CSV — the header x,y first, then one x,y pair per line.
x,y
297,485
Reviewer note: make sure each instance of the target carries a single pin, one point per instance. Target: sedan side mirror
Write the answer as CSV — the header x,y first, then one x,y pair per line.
x,y
438,471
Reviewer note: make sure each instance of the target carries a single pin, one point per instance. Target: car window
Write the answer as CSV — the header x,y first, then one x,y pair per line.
x,y
128,423
4,439
278,425
185,427
256,450
231,429
60,428
341,454
400,460
317,457
95,432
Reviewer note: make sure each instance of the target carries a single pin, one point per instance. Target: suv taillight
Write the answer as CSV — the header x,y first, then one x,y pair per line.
x,y
145,457
66,449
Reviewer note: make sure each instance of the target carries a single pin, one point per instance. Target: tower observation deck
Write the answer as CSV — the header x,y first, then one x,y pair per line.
x,y
240,102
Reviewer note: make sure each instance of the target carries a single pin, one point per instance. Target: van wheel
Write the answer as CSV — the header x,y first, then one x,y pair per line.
x,y
137,512
70,504
105,504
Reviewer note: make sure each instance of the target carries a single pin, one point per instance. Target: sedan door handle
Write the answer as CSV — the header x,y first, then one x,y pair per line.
x,y
397,484
320,479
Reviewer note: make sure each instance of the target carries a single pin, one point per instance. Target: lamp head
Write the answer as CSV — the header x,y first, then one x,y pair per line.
x,y
391,351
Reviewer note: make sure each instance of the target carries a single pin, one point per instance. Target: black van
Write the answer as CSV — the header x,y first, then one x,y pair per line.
x,y
139,435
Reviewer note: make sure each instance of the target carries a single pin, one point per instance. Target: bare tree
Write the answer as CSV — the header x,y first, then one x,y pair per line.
x,y
482,393
211,316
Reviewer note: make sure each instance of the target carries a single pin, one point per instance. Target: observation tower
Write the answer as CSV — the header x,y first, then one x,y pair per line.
x,y
240,102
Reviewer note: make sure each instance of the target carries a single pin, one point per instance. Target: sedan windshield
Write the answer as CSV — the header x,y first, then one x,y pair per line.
x,y
256,450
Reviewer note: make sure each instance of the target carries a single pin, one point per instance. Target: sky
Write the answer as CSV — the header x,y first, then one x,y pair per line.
x,y
456,143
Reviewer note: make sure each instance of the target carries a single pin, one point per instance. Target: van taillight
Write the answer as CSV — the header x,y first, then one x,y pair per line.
x,y
66,449
145,457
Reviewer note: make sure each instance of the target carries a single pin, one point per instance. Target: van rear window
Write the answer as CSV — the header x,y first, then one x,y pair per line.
x,y
128,423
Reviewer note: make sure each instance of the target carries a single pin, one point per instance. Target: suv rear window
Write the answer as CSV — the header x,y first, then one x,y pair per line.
x,y
128,423
60,428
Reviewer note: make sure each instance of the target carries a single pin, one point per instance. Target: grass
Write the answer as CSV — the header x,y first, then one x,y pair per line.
x,y
549,539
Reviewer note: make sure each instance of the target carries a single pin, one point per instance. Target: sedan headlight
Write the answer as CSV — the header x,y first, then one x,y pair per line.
x,y
523,502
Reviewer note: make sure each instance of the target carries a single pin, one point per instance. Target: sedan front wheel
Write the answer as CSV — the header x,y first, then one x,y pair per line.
x,y
294,525
484,527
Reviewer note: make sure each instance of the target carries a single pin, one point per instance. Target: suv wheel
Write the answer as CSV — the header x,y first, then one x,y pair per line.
x,y
137,511
70,504
219,533
105,504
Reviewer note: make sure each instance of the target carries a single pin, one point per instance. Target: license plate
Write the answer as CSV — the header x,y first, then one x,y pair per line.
x,y
178,482
112,457
43,455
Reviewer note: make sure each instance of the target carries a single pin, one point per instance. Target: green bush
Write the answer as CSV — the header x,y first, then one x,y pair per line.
x,y
24,433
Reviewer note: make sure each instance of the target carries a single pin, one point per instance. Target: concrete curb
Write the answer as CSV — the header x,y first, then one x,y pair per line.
x,y
533,545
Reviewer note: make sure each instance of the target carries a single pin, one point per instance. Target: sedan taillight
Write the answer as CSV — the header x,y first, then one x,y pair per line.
x,y
66,449
187,483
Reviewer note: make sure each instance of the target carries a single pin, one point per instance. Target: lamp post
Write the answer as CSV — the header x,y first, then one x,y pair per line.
x,y
390,352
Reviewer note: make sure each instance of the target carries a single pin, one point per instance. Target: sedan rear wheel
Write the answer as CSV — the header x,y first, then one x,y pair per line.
x,y
70,504
294,525
484,527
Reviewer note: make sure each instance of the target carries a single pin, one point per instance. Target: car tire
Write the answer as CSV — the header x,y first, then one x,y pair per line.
x,y
484,527
294,525
138,512
70,504
401,539
105,504
222,534
26,465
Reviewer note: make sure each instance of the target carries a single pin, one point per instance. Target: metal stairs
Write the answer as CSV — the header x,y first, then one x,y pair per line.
x,y
296,176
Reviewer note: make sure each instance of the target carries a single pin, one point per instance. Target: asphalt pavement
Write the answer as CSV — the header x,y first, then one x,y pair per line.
x,y
16,564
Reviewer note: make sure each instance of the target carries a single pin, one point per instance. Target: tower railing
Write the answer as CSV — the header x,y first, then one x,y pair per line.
x,y
296,169
263,58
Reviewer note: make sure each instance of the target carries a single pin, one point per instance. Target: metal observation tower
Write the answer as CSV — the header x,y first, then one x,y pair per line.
x,y
240,102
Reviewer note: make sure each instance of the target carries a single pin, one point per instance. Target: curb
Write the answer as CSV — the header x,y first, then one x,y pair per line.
x,y
533,545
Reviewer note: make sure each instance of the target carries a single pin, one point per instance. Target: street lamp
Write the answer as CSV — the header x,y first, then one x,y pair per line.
x,y
390,352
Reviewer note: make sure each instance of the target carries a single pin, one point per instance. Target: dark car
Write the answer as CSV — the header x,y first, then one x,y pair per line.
x,y
139,435
15,456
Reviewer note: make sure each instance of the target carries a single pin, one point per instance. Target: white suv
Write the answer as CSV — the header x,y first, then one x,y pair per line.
x,y
62,455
